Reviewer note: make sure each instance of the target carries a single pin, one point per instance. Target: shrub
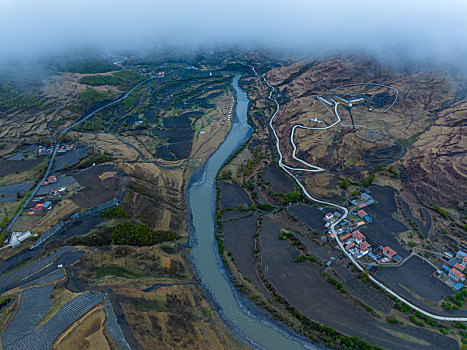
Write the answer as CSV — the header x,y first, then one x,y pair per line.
x,y
440,210
344,184
265,206
128,233
300,258
115,212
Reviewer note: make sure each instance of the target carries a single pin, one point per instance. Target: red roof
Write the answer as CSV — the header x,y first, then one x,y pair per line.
x,y
457,273
365,245
389,251
348,235
358,235
459,267
362,213
351,245
464,259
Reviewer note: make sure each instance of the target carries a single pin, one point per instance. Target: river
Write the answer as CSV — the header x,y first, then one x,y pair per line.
x,y
241,315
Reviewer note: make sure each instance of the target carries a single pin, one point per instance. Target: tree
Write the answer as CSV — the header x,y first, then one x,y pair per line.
x,y
344,184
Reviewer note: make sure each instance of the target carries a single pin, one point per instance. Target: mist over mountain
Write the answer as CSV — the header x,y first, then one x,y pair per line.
x,y
419,31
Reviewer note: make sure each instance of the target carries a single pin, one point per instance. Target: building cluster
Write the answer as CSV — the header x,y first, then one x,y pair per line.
x,y
137,124
66,148
18,237
353,240
43,150
348,100
361,200
50,180
455,267
41,208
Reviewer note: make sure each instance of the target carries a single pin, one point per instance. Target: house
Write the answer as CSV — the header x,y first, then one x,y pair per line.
x,y
52,179
459,267
359,237
365,197
464,261
373,256
458,286
352,224
47,205
365,246
347,236
362,213
328,216
350,246
389,252
360,223
445,268
337,214
39,208
368,218
448,255
456,275
461,254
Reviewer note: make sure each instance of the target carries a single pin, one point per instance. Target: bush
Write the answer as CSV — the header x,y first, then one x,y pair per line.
x,y
300,258
265,206
440,210
128,233
344,184
115,212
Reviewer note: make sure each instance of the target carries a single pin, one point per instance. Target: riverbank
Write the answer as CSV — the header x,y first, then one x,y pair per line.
x,y
248,323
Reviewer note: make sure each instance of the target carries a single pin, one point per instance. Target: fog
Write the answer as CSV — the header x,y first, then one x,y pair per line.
x,y
418,31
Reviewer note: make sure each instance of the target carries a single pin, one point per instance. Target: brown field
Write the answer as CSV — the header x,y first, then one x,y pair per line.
x,y
215,126
437,162
105,142
422,95
53,216
99,184
156,196
26,175
171,316
87,333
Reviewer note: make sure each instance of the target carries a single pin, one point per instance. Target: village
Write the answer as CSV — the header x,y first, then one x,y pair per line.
x,y
355,242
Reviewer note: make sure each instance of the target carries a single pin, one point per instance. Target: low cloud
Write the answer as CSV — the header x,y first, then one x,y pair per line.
x,y
421,31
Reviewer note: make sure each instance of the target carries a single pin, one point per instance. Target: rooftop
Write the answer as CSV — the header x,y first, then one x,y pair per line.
x,y
348,235
389,251
358,235
457,273
365,245
362,212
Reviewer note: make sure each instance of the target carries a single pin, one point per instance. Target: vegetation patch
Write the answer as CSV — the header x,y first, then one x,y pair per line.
x,y
117,271
124,79
115,212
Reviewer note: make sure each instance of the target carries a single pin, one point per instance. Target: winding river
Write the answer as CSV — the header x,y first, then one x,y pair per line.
x,y
246,322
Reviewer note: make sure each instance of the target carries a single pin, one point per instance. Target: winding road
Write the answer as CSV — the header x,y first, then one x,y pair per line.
x,y
57,146
315,168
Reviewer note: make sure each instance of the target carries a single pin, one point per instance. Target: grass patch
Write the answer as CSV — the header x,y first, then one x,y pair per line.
x,y
118,271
